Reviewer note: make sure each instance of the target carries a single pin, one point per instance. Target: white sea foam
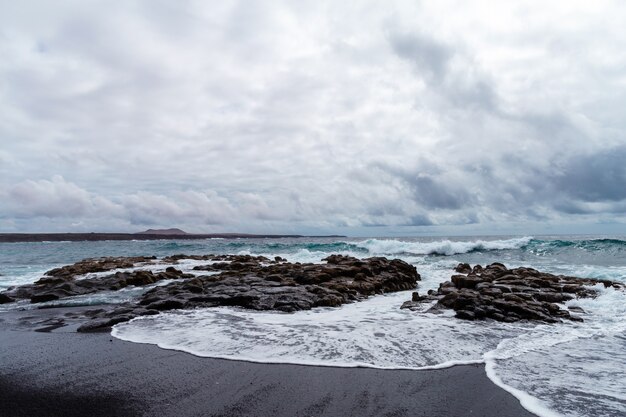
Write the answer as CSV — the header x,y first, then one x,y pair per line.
x,y
156,266
32,274
530,403
123,295
613,273
302,255
574,376
442,247
552,369
305,256
568,366
569,369
22,277
374,333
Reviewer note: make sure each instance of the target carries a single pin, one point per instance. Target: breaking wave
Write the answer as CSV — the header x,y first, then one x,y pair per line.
x,y
442,247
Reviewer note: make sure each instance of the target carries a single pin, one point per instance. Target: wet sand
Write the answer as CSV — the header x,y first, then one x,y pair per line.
x,y
53,371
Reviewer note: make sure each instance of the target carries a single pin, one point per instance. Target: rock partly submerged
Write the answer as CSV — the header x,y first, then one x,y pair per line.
x,y
253,282
75,279
509,295
260,283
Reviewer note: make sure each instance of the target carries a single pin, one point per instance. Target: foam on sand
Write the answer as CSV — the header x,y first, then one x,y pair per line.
x,y
533,362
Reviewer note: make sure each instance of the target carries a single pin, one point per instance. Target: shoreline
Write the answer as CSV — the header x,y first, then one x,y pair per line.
x,y
50,370
100,237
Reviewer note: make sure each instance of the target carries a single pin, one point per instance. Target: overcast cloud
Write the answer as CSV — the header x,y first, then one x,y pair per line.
x,y
372,118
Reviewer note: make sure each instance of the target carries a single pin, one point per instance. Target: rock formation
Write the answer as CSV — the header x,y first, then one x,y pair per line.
x,y
253,282
65,281
509,295
260,284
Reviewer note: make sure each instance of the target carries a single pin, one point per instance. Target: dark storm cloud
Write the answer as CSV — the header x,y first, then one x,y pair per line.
x,y
446,69
429,57
428,186
581,184
436,195
597,177
569,206
419,220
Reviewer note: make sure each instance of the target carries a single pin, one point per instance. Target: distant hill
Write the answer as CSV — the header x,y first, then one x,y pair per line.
x,y
150,234
172,231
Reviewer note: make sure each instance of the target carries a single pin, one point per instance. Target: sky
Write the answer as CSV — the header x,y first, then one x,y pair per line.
x,y
393,118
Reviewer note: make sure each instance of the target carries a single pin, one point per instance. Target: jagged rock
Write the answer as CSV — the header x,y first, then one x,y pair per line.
x,y
259,284
254,282
55,288
510,294
92,265
42,298
463,268
5,299
465,281
417,297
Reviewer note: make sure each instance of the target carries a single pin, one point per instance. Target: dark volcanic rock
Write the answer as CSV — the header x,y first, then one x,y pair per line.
x,y
64,285
463,268
260,284
87,266
5,299
254,282
510,294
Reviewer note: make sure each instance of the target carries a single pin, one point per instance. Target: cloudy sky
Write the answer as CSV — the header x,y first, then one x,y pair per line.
x,y
359,118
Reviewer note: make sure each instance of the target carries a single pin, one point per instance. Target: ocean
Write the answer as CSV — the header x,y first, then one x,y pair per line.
x,y
566,369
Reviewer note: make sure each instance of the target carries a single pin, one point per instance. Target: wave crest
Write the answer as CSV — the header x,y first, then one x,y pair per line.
x,y
587,244
442,247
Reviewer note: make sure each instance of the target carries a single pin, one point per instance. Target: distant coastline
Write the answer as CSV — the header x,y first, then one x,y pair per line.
x,y
78,237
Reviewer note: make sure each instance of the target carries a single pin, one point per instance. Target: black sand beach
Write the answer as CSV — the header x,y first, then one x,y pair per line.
x,y
58,372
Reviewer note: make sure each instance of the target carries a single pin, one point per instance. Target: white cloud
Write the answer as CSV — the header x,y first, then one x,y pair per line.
x,y
311,115
50,198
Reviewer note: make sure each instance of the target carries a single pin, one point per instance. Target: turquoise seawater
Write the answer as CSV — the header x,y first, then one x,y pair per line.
x,y
568,369
595,257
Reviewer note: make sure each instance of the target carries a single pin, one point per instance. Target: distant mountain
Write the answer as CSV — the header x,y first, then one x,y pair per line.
x,y
172,231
